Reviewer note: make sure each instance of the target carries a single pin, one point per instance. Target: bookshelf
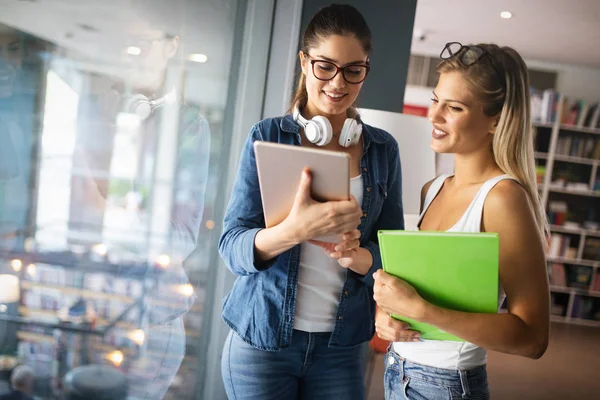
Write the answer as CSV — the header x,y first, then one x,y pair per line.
x,y
567,154
120,293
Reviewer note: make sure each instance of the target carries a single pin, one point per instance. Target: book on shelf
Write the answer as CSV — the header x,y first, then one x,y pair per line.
x,y
560,246
558,307
579,277
591,249
557,212
596,284
575,112
558,275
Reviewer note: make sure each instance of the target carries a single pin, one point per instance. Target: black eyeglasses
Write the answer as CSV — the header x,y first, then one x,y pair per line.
x,y
469,55
326,71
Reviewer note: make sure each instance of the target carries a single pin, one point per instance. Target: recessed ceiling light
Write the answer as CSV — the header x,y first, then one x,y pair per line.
x,y
199,58
134,51
506,14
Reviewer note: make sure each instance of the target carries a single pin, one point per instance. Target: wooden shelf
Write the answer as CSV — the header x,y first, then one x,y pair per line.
x,y
574,291
573,261
574,128
79,292
574,231
49,314
35,337
575,160
588,193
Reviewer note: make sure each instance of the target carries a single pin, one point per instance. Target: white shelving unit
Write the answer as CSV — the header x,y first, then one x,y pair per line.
x,y
547,191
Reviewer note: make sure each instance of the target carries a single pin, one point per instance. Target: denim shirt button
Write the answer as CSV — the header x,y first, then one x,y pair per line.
x,y
391,360
369,189
345,293
340,317
364,215
365,170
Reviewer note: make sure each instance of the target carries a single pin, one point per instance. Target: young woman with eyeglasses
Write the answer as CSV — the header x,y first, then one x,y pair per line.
x,y
481,113
300,308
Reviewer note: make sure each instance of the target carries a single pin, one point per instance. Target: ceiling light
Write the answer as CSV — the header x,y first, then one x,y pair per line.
x,y
16,264
134,51
199,58
163,260
506,14
116,357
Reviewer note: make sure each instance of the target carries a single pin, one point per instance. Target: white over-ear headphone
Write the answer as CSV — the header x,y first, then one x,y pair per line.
x,y
318,129
142,106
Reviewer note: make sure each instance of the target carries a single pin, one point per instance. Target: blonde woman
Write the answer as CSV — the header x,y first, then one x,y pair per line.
x,y
481,113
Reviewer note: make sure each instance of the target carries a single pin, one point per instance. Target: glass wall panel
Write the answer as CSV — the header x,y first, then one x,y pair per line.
x,y
111,136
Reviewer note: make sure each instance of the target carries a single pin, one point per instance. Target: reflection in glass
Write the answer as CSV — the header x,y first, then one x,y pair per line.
x,y
110,130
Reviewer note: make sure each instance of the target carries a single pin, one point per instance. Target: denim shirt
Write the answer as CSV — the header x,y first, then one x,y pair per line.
x,y
261,305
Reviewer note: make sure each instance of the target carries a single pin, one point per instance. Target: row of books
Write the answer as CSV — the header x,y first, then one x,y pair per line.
x,y
578,146
558,212
545,105
98,282
560,246
584,307
573,276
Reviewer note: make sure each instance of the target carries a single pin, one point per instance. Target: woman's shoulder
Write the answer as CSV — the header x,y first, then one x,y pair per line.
x,y
271,128
507,198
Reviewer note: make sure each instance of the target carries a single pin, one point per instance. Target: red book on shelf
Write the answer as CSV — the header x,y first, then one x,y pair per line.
x,y
596,286
557,275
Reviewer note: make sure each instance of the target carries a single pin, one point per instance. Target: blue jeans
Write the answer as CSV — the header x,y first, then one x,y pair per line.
x,y
308,369
405,380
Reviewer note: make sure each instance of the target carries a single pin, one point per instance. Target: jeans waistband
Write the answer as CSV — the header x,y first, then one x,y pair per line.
x,y
440,376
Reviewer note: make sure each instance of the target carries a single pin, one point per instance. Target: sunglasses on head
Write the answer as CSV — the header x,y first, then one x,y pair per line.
x,y
469,55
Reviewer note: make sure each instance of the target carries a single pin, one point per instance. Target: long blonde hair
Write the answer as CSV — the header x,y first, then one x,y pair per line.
x,y
500,79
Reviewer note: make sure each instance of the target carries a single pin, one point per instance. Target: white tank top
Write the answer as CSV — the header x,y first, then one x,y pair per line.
x,y
442,353
320,282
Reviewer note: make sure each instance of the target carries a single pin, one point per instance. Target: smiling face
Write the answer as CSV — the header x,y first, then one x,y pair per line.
x,y
147,69
334,97
11,58
460,125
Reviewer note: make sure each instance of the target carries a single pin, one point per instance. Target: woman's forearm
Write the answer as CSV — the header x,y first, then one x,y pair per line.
x,y
506,333
271,242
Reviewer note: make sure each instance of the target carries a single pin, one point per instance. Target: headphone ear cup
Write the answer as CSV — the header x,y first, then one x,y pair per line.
x,y
325,129
351,132
139,105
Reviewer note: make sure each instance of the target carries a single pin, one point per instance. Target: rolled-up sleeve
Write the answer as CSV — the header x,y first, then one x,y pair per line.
x,y
244,216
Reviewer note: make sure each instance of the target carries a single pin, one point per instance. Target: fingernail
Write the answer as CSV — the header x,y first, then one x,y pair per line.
x,y
337,248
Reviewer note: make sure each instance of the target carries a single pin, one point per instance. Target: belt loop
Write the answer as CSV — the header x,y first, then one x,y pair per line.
x,y
401,362
464,383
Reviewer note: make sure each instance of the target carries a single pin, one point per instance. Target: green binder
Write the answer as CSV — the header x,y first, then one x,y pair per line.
x,y
453,270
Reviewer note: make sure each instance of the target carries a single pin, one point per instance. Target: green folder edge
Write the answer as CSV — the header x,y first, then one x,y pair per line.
x,y
427,331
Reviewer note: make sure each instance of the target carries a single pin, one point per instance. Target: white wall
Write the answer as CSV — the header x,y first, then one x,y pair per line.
x,y
576,82
413,134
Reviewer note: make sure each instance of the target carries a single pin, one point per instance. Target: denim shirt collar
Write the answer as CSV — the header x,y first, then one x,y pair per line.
x,y
369,133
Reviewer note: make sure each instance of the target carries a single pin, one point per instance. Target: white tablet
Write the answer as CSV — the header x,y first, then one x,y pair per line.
x,y
279,170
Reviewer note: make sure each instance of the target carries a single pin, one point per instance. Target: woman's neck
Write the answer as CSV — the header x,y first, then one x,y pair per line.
x,y
474,168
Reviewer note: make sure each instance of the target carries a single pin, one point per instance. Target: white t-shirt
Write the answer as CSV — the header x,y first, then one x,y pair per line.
x,y
320,282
